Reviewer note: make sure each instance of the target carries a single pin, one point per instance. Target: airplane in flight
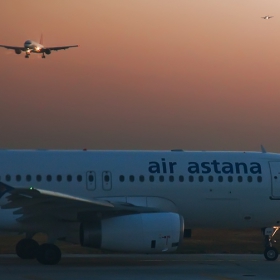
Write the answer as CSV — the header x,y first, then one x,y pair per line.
x,y
267,17
30,46
135,201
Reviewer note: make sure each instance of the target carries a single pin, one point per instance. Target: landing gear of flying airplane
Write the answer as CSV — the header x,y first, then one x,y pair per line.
x,y
27,56
27,248
48,254
43,56
270,252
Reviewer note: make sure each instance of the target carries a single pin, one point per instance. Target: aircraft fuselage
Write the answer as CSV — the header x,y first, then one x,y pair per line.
x,y
209,189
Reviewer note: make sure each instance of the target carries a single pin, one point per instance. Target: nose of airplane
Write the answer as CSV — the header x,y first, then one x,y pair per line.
x,y
27,43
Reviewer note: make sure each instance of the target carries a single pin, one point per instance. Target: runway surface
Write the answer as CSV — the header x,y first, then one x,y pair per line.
x,y
143,267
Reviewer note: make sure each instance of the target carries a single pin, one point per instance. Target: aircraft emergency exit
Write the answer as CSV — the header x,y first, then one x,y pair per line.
x,y
134,201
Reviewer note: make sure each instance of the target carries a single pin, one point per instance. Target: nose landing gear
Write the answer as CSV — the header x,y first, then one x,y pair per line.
x,y
270,252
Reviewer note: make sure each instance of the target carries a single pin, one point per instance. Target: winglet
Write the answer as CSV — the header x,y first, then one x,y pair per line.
x,y
263,149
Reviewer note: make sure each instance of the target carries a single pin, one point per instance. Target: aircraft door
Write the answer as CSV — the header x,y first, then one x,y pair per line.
x,y
91,180
275,179
106,180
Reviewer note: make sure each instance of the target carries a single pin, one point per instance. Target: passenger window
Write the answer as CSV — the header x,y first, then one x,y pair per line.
x,y
49,178
141,178
8,178
121,178
200,178
181,178
230,178
191,178
250,179
220,178
161,178
79,178
39,178
259,179
58,178
210,178
28,178
171,178
131,178
18,178
239,179
152,178
90,178
69,178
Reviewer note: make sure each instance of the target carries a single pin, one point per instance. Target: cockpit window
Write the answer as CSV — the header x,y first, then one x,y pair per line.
x,y
28,42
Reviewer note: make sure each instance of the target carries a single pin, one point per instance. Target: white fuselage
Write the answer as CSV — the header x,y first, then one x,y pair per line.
x,y
32,46
209,189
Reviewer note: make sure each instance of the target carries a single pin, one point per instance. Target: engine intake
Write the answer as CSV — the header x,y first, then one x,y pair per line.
x,y
141,233
47,51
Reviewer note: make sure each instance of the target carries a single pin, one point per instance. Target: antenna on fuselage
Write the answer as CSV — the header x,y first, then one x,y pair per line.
x,y
263,149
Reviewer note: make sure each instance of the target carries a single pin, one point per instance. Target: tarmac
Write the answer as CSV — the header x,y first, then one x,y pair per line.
x,y
142,267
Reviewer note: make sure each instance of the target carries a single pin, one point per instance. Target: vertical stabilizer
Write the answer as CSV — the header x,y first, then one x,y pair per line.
x,y
41,39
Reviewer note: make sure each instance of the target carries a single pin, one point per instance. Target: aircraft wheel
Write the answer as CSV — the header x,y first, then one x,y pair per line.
x,y
48,254
271,253
27,248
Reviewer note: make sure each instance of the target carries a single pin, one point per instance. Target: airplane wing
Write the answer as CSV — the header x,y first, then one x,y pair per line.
x,y
61,48
12,47
32,204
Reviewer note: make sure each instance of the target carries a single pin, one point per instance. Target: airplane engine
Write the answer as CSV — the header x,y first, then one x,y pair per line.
x,y
47,51
140,233
18,51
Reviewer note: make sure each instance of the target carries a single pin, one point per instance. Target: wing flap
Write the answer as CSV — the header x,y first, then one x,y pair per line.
x,y
26,197
35,204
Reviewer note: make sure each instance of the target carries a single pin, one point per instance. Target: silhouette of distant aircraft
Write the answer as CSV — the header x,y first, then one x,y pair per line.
x,y
34,47
267,17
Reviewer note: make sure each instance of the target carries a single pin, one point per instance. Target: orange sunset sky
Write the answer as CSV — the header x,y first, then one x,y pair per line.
x,y
149,74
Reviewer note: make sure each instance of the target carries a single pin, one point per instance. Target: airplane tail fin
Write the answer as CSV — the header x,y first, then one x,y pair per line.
x,y
41,39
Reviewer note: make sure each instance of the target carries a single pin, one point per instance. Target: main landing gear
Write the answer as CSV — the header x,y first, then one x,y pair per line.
x,y
27,55
43,55
46,253
270,252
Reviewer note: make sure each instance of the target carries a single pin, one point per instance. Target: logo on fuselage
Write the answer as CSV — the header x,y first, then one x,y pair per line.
x,y
206,167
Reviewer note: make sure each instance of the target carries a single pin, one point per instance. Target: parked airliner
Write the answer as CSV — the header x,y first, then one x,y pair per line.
x,y
30,46
134,201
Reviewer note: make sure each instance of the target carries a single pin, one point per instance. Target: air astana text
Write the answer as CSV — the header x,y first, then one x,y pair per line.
x,y
207,167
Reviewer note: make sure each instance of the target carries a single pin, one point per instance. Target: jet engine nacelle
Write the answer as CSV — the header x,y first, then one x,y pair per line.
x,y
18,51
140,233
47,51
